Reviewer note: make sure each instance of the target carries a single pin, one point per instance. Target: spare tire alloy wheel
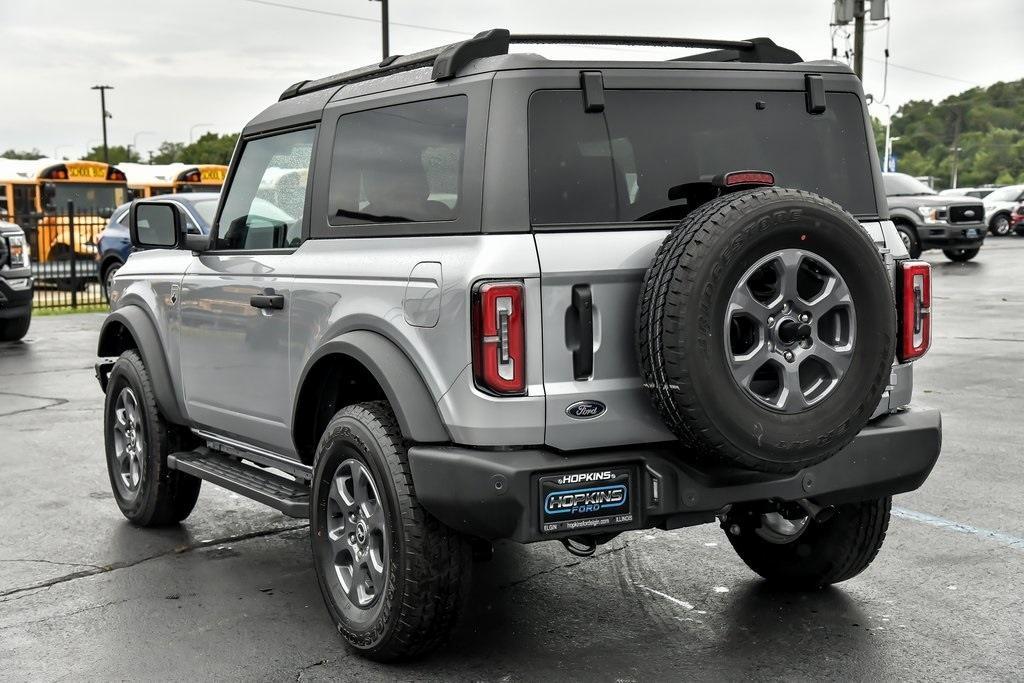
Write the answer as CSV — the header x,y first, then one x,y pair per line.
x,y
790,330
766,330
358,536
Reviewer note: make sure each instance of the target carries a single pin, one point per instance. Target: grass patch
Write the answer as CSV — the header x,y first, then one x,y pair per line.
x,y
64,310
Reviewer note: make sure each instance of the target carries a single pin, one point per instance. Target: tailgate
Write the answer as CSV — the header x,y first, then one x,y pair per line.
x,y
607,267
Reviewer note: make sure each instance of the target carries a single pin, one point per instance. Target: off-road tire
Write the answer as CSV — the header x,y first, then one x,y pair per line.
x,y
960,255
165,496
13,329
910,239
679,336
825,553
429,564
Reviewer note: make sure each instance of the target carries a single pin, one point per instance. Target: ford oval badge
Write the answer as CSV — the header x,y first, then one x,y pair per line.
x,y
969,213
585,410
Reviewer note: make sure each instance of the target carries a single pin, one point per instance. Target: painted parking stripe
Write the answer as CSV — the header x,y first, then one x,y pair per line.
x,y
949,525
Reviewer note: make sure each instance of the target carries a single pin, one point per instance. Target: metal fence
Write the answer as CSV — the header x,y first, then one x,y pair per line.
x,y
65,245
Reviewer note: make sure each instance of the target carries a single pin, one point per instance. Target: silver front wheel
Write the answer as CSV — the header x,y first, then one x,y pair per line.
x,y
129,442
790,329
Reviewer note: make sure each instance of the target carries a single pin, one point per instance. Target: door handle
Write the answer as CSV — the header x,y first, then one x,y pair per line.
x,y
583,349
267,300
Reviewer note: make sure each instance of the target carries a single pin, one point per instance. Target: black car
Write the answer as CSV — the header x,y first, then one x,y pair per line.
x,y
114,244
15,283
926,220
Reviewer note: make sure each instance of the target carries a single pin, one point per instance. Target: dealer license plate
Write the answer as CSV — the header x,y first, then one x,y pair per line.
x,y
586,500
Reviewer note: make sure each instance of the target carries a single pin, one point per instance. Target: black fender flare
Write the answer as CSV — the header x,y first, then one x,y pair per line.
x,y
904,216
402,383
143,331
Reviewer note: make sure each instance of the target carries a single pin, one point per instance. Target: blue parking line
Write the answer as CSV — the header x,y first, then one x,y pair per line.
x,y
941,523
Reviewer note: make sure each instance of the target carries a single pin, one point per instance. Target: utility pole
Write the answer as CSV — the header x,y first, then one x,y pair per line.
x,y
385,49
104,115
858,38
956,148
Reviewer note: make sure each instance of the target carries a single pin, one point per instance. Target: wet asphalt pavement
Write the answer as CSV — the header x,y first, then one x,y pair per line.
x,y
230,594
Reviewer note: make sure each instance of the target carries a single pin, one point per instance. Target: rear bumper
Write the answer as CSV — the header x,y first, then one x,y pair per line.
x,y
495,494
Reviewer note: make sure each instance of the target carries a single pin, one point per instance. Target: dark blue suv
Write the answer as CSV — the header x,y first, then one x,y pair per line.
x,y
114,244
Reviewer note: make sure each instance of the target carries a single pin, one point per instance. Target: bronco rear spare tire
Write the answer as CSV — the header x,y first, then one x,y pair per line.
x,y
766,329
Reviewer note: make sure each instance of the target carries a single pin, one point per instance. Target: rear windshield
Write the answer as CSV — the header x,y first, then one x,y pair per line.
x,y
619,166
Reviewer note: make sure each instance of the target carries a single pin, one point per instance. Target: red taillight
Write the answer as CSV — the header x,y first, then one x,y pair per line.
x,y
915,296
499,338
748,178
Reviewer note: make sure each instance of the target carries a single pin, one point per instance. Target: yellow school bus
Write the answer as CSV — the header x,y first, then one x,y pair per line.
x,y
35,194
151,180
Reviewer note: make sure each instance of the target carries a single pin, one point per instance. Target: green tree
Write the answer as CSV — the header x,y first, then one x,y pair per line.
x,y
167,153
22,154
117,154
985,124
210,148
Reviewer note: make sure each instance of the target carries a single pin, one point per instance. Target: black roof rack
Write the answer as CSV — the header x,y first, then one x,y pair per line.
x,y
448,59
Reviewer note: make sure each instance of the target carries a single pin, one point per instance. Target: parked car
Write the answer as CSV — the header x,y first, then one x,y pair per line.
x,y
975,192
999,208
114,243
514,298
926,220
15,283
1017,220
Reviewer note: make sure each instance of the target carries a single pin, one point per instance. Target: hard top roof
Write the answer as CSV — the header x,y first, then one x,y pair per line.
x,y
302,102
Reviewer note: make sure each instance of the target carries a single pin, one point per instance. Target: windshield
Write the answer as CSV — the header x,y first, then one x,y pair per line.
x,y
1006,194
207,209
89,196
902,185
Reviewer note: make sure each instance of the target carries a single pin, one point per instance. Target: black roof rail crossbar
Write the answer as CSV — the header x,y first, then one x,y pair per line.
x,y
763,50
445,60
448,59
753,50
654,41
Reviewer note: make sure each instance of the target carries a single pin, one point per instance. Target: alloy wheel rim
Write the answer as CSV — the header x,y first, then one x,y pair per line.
x,y
129,441
1002,225
790,330
357,534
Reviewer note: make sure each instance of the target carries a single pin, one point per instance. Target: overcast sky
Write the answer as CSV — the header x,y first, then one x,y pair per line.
x,y
213,64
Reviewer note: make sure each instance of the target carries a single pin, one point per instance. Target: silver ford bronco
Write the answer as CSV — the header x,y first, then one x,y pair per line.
x,y
466,295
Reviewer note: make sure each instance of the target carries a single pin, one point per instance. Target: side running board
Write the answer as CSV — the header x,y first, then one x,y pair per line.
x,y
280,493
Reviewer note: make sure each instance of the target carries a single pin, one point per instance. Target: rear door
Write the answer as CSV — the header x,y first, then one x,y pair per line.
x,y
600,206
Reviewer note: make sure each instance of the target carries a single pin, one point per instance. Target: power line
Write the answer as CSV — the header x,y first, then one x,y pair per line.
x,y
921,71
354,17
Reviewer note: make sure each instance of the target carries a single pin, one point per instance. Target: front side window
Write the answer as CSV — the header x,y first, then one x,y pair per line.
x,y
265,204
645,156
399,164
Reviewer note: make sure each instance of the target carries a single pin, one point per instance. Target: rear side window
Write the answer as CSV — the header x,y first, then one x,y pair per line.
x,y
399,164
619,166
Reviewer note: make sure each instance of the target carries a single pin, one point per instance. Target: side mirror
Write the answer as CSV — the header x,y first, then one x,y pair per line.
x,y
154,225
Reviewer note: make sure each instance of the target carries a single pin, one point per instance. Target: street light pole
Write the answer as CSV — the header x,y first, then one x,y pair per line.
x,y
858,38
135,142
104,115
